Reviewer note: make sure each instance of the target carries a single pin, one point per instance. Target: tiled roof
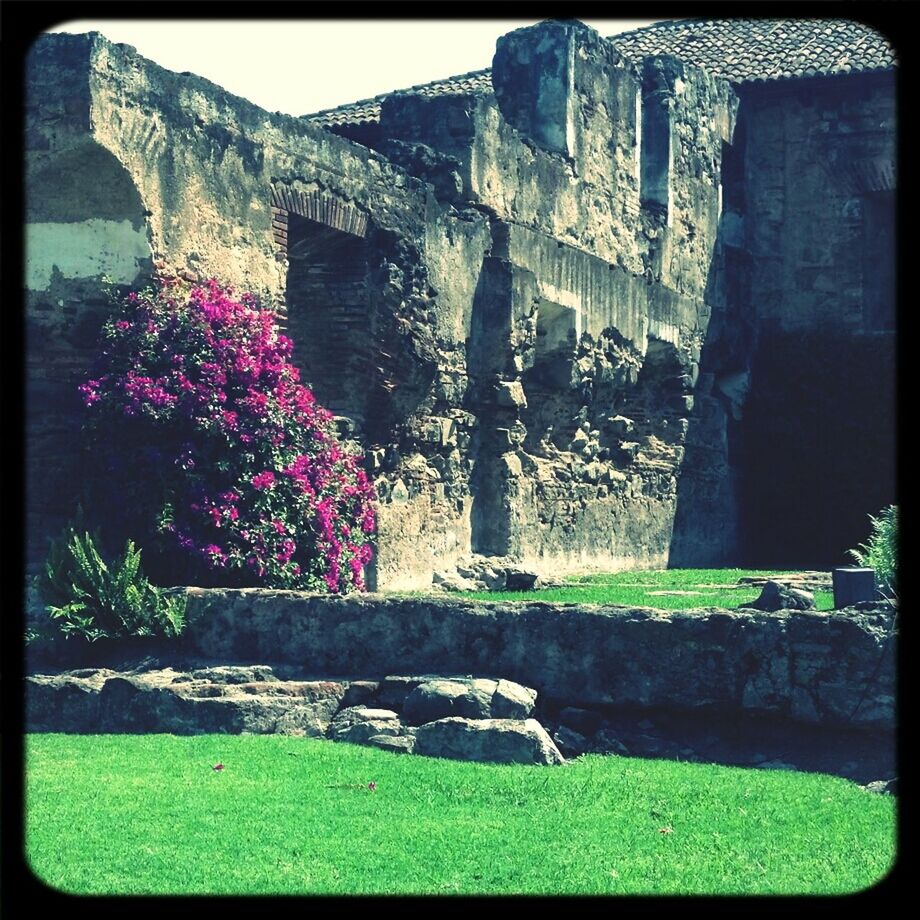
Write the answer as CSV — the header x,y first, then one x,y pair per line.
x,y
741,50
368,110
757,50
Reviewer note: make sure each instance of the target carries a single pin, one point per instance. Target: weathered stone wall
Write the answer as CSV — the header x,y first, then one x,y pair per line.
x,y
591,314
819,421
516,338
142,165
830,668
818,153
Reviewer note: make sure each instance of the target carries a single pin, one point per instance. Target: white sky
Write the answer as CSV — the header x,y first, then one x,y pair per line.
x,y
302,66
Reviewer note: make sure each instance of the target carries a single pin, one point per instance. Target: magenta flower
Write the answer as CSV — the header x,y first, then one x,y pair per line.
x,y
264,480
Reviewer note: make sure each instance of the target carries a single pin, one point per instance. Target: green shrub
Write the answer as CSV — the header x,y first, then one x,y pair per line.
x,y
881,552
87,597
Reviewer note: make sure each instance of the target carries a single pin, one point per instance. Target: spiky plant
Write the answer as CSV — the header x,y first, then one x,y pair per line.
x,y
86,596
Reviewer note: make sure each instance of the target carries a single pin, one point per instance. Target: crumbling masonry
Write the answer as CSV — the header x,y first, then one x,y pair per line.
x,y
596,307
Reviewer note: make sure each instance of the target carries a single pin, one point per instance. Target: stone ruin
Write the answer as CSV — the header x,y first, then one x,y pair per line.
x,y
595,308
517,683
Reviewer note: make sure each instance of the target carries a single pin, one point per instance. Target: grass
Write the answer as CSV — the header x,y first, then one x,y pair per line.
x,y
668,589
149,815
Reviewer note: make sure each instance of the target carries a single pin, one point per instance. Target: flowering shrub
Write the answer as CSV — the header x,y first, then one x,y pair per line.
x,y
205,446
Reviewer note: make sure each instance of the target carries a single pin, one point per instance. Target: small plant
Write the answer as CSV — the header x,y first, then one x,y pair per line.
x,y
92,599
881,552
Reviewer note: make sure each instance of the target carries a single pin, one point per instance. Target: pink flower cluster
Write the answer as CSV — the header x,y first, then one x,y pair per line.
x,y
258,490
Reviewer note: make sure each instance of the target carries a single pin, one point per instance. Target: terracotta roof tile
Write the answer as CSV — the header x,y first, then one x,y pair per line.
x,y
368,110
758,50
741,50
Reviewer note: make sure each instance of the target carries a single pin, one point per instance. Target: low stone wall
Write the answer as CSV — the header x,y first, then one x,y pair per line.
x,y
834,668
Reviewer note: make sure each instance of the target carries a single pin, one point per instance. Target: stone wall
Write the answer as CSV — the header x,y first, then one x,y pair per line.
x,y
819,430
828,668
512,335
562,317
207,184
590,317
818,155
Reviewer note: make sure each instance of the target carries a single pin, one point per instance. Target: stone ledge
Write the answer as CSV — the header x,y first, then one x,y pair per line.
x,y
834,669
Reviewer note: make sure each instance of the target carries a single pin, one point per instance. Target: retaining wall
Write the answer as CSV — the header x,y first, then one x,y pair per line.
x,y
824,668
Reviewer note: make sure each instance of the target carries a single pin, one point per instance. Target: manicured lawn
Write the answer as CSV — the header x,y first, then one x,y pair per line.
x,y
670,589
148,814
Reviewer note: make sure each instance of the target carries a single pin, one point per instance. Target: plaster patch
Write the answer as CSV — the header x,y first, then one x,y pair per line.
x,y
86,249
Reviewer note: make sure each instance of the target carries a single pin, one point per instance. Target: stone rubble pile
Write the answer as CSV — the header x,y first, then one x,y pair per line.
x,y
459,717
486,573
780,596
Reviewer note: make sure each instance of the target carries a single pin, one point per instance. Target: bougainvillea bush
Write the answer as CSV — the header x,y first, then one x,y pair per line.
x,y
205,448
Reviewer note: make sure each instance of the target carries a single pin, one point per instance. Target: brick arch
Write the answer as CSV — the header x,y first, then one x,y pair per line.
x,y
318,206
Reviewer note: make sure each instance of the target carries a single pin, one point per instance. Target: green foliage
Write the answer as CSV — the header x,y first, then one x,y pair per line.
x,y
86,596
881,552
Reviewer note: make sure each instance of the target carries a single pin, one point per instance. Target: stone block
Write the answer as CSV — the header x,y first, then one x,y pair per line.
x,y
489,740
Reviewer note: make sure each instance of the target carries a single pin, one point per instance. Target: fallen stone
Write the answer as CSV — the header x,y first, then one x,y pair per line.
x,y
776,596
569,742
471,698
398,744
488,740
160,702
491,573
451,581
883,786
520,580
512,701
776,765
439,699
358,725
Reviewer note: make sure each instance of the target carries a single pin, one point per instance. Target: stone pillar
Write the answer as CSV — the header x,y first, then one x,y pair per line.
x,y
505,299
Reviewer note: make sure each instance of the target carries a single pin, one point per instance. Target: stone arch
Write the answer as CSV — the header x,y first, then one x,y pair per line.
x,y
85,219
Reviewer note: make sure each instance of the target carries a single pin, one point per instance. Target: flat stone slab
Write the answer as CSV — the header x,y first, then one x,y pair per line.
x,y
99,700
398,744
778,596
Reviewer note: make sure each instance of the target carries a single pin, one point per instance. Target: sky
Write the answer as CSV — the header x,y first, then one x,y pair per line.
x,y
303,66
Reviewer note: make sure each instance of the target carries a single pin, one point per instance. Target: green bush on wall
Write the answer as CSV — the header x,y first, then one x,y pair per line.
x,y
881,552
87,597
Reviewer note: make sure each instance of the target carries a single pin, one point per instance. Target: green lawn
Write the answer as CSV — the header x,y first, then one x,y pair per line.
x,y
670,589
148,814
